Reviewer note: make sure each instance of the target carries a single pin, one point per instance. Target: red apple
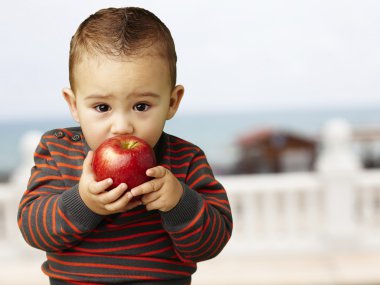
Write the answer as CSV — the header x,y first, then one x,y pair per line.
x,y
125,159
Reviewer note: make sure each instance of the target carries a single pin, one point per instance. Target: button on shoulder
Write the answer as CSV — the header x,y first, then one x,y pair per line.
x,y
59,134
76,138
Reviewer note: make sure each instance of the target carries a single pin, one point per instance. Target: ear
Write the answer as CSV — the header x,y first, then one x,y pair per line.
x,y
175,100
70,98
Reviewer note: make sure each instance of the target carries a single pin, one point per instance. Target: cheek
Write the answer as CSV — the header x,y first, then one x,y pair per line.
x,y
92,137
93,133
154,132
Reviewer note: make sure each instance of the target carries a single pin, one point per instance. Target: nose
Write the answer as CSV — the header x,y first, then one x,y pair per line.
x,y
122,125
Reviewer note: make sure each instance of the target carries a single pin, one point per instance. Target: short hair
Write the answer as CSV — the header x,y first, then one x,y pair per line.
x,y
118,32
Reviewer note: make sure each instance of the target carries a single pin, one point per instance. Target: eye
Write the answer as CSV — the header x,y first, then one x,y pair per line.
x,y
102,108
141,107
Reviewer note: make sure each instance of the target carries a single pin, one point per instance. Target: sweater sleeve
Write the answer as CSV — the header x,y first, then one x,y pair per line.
x,y
51,214
201,223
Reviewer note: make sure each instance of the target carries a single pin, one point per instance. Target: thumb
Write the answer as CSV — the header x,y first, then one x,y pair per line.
x,y
87,163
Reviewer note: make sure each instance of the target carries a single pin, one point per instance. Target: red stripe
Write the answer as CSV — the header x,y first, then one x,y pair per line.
x,y
185,148
44,165
212,191
86,274
34,174
57,153
25,200
70,224
184,237
54,217
154,252
65,147
47,178
226,237
219,205
41,145
133,212
44,157
114,266
30,210
177,142
199,179
200,157
125,247
179,175
195,170
44,221
128,226
205,242
209,247
47,245
168,157
136,257
123,238
215,199
195,220
49,187
71,166
186,164
190,244
53,177
70,177
20,223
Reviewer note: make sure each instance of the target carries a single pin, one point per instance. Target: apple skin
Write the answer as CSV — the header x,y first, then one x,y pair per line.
x,y
125,159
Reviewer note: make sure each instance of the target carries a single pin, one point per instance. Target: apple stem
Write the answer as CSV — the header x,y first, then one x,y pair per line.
x,y
129,145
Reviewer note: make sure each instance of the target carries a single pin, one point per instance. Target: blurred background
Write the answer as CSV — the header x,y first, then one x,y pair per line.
x,y
283,96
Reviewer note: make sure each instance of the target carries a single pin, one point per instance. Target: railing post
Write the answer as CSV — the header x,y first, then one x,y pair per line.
x,y
18,182
338,168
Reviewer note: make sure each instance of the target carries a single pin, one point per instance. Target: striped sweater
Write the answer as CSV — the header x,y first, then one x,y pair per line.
x,y
134,247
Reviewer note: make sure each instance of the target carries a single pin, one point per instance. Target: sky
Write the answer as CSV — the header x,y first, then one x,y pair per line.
x,y
233,56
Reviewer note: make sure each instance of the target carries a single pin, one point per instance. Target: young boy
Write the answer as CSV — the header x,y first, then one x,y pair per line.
x,y
123,81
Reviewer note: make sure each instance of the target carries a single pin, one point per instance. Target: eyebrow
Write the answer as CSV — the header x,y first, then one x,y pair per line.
x,y
106,96
145,94
97,96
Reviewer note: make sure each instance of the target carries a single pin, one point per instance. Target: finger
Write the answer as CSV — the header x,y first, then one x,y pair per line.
x,y
120,204
87,163
147,187
99,187
154,205
112,195
156,172
133,204
158,204
149,198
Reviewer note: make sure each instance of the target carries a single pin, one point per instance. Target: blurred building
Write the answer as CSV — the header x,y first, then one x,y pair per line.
x,y
274,151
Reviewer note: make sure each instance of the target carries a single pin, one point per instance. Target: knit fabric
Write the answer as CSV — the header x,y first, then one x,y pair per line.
x,y
134,247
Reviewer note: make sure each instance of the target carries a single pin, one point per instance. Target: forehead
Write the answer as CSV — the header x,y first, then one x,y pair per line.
x,y
109,72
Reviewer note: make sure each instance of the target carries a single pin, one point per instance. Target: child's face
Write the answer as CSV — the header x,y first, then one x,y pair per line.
x,y
132,97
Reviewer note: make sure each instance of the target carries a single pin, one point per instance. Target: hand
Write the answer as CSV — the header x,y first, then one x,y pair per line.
x,y
98,198
161,193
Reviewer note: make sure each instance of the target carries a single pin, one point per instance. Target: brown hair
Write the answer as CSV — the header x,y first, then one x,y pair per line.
x,y
118,32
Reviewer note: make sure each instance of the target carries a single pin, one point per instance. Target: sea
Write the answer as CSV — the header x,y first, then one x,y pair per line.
x,y
216,134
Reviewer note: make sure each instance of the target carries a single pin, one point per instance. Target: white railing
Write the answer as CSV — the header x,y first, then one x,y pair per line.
x,y
300,213
335,207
